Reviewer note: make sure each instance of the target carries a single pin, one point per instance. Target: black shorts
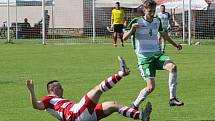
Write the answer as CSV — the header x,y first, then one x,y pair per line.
x,y
118,28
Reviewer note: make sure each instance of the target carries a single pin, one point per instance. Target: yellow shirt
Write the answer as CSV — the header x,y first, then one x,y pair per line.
x,y
118,16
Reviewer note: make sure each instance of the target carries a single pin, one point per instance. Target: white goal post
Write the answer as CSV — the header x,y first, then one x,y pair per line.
x,y
86,21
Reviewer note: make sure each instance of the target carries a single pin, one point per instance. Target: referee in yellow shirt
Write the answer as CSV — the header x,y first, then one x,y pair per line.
x,y
117,23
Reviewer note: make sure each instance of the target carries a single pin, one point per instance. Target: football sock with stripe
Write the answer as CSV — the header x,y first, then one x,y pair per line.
x,y
111,81
130,112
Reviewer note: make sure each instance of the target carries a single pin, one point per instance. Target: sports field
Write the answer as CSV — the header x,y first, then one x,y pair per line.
x,y
80,67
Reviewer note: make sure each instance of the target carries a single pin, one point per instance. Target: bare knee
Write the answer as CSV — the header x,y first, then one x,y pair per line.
x,y
150,88
173,67
150,85
170,66
95,89
94,94
112,106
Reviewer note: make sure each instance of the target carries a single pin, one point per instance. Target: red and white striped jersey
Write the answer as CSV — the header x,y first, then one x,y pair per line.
x,y
57,107
65,110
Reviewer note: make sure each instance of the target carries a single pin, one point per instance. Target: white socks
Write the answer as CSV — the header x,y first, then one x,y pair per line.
x,y
110,82
121,73
172,84
172,89
141,97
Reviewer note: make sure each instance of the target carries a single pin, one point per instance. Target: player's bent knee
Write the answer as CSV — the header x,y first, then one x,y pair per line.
x,y
96,89
113,105
170,66
150,85
173,68
150,88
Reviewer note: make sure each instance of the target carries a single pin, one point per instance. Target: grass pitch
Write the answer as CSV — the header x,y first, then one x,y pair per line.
x,y
80,67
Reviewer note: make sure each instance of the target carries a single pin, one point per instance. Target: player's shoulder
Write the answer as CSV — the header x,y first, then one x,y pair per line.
x,y
137,18
47,98
121,9
163,13
133,21
167,13
156,19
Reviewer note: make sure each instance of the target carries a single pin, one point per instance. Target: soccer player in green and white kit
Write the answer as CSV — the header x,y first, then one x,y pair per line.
x,y
144,31
164,17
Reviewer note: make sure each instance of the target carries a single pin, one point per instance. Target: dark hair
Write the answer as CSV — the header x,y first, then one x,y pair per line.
x,y
149,4
117,3
163,6
25,19
50,82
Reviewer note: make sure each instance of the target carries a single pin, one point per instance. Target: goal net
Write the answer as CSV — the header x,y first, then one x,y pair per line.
x,y
85,21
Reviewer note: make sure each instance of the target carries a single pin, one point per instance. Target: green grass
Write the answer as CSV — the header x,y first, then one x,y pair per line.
x,y
80,67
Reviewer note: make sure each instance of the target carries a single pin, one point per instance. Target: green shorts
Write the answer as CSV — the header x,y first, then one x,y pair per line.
x,y
149,65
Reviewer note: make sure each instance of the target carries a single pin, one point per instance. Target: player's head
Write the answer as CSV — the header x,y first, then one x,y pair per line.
x,y
149,7
46,11
117,6
162,8
54,87
25,20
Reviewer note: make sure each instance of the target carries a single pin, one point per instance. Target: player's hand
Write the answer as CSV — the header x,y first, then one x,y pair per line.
x,y
30,85
125,24
179,47
134,26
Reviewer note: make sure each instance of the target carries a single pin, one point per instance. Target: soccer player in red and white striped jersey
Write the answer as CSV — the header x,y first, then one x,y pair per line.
x,y
88,108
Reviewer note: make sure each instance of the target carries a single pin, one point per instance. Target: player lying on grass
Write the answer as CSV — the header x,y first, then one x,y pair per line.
x,y
88,108
144,31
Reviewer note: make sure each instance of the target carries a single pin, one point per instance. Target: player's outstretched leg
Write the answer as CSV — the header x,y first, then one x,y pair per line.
x,y
108,83
107,108
111,81
144,115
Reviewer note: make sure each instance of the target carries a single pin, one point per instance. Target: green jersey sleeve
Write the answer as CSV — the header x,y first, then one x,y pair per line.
x,y
131,23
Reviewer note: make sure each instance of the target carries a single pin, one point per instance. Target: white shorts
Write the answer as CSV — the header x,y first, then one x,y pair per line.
x,y
85,110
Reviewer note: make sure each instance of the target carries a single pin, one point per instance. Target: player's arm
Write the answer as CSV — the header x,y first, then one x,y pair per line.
x,y
167,38
112,18
170,21
36,104
131,28
112,21
128,34
125,22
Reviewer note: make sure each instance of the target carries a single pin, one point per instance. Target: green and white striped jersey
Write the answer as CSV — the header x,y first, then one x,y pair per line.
x,y
145,38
